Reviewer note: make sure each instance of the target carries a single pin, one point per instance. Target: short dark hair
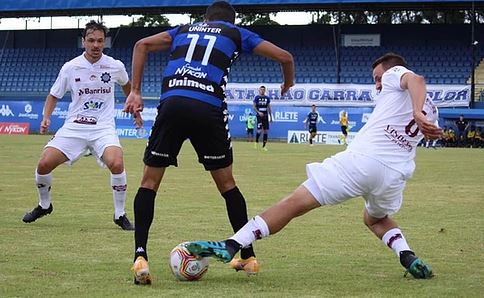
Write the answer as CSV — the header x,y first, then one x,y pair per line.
x,y
390,60
93,26
262,86
220,11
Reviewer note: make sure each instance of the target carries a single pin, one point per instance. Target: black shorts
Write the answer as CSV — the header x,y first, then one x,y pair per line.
x,y
313,129
250,131
344,129
181,118
263,122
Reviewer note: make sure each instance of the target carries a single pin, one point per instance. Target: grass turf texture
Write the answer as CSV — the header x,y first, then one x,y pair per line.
x,y
78,251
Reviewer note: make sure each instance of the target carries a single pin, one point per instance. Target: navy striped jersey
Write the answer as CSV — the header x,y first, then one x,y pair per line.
x,y
312,118
261,103
200,59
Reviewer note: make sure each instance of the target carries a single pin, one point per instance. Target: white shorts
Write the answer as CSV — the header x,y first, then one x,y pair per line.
x,y
74,142
348,175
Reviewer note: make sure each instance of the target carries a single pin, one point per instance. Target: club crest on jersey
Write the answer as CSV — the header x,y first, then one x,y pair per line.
x,y
106,77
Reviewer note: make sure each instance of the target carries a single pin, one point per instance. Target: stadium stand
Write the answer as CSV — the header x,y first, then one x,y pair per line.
x,y
29,62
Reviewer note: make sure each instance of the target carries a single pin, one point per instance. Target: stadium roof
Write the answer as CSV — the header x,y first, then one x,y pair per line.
x,y
29,8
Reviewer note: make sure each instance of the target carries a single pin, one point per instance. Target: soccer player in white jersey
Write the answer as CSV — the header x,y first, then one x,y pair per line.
x,y
375,166
90,79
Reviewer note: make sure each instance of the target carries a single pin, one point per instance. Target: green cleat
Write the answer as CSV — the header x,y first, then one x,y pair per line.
x,y
419,269
214,249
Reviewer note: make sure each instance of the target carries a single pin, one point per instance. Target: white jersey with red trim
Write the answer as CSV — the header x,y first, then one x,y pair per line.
x,y
92,91
391,134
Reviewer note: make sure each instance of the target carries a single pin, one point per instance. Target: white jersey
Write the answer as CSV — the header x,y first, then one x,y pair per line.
x,y
92,91
391,134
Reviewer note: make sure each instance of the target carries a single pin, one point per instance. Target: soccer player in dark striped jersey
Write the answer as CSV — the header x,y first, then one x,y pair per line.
x,y
262,106
192,106
312,122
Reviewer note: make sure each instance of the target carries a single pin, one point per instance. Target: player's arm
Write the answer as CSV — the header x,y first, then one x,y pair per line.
x,y
415,84
155,43
271,51
269,112
49,106
256,110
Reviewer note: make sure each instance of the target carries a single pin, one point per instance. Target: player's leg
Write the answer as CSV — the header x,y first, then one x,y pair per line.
x,y
60,149
164,144
51,158
267,223
328,183
265,124
113,158
386,199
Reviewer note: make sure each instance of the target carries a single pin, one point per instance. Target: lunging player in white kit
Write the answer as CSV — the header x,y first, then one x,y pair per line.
x,y
90,79
375,166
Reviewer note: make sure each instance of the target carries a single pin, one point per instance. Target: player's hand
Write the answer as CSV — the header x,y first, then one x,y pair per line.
x,y
44,126
285,87
138,120
260,114
429,129
134,103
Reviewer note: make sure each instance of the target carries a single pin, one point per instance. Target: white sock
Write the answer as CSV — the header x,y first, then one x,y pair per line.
x,y
394,239
44,183
254,229
118,183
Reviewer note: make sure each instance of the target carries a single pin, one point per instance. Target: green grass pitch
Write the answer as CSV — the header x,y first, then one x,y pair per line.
x,y
77,251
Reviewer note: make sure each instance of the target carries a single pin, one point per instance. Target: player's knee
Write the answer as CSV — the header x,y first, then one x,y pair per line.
x,y
371,221
116,166
44,167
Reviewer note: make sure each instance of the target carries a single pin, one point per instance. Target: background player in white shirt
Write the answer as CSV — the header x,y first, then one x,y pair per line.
x,y
90,79
375,166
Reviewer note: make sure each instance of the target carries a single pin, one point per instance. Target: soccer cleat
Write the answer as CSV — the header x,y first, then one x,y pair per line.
x,y
419,269
264,149
214,249
141,271
124,223
250,265
255,145
37,213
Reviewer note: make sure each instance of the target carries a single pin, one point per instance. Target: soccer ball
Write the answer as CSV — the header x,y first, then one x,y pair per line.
x,y
185,266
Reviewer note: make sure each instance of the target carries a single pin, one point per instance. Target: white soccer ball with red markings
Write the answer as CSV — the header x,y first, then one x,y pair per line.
x,y
185,266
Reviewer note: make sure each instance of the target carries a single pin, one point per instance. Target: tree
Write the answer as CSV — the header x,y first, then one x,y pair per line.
x,y
320,17
151,21
249,19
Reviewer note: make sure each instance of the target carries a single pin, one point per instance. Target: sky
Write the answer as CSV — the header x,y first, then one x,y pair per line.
x,y
283,18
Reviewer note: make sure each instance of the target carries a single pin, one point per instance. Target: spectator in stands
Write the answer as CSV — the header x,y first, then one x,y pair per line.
x,y
376,165
311,122
90,79
193,107
343,121
250,124
262,107
462,125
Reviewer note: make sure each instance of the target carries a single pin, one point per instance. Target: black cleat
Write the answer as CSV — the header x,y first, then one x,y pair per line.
x,y
36,213
124,223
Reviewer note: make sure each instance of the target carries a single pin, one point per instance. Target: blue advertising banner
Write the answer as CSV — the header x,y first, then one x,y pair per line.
x,y
285,118
354,95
